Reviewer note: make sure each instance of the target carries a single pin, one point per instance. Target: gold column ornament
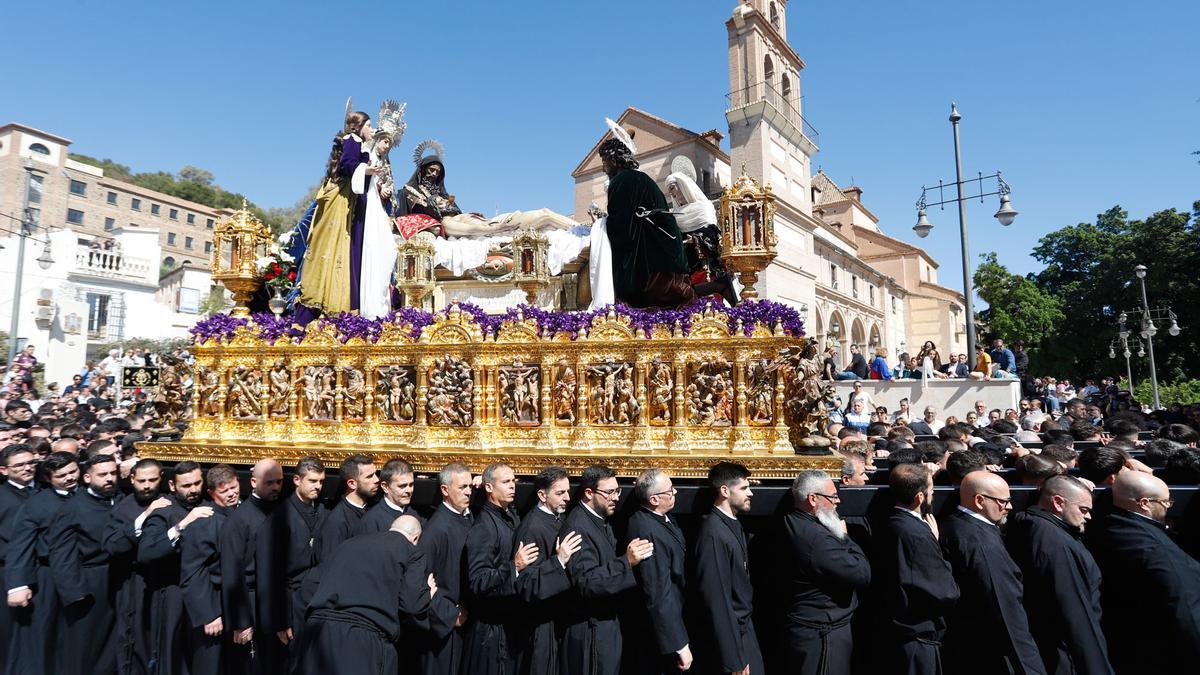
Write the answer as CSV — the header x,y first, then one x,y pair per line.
x,y
748,242
414,268
531,272
239,240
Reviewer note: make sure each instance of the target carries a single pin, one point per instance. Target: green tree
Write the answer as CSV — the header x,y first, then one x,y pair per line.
x,y
111,168
214,302
282,219
1017,308
192,174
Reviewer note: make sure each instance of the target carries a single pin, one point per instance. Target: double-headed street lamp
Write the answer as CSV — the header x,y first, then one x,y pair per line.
x,y
1147,319
1122,341
28,230
1006,214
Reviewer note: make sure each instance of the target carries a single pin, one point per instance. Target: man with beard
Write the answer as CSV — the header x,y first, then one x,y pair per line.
x,y
1062,581
31,593
492,572
362,484
121,536
425,193
1150,588
374,588
200,573
19,465
987,631
721,576
286,559
80,566
660,640
443,542
915,581
534,642
828,571
396,482
239,573
159,561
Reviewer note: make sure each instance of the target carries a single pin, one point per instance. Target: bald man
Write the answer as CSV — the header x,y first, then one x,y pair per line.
x,y
987,631
1062,581
238,574
1150,588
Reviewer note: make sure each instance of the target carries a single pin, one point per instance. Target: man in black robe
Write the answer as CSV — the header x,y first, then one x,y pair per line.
x,y
81,570
361,481
250,654
1062,581
19,466
987,632
396,482
544,585
200,572
1150,588
649,263
916,581
659,641
443,543
721,578
828,571
286,558
158,558
27,576
425,192
374,587
121,536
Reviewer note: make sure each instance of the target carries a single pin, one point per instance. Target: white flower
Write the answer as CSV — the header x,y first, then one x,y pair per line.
x,y
285,239
264,263
286,257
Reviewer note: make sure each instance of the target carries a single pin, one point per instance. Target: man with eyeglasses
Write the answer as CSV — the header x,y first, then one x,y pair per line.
x,y
662,644
1150,587
591,641
987,631
928,425
1062,581
828,572
19,466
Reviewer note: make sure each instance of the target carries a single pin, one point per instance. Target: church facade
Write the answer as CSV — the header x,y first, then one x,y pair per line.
x,y
852,283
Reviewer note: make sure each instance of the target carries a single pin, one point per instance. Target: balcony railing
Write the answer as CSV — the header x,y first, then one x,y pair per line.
x,y
110,264
764,91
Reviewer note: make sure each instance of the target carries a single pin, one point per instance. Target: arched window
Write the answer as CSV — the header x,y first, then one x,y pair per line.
x,y
768,70
774,16
785,88
168,261
39,149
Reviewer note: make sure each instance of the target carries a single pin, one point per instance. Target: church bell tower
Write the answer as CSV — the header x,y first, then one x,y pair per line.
x,y
767,131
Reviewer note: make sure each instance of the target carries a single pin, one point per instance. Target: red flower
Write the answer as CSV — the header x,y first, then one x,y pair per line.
x,y
269,275
292,275
275,268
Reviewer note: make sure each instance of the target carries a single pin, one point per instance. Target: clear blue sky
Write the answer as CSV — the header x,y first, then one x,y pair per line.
x,y
1082,105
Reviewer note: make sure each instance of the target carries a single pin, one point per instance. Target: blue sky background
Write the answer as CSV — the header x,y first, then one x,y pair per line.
x,y
1082,105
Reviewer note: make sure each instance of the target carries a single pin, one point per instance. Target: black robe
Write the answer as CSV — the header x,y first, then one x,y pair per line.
x,y
492,584
655,629
286,562
1150,592
239,585
159,561
721,582
372,588
27,563
83,575
600,579
444,541
343,522
827,575
130,597
543,585
987,632
12,499
200,584
918,589
640,247
379,518
1062,592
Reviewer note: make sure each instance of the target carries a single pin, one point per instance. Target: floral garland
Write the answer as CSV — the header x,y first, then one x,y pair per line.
x,y
746,315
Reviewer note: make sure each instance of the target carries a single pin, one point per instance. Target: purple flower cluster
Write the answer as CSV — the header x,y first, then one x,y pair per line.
x,y
550,323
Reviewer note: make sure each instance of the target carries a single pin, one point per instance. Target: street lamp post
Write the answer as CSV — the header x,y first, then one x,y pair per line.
x,y
1149,317
1122,341
28,229
1006,214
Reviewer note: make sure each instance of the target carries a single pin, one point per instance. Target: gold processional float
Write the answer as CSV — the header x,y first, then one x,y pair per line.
x,y
457,385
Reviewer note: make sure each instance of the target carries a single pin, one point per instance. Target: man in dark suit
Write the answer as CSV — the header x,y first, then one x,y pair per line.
x,y
988,632
443,543
396,482
721,577
361,482
661,643
1062,581
828,571
914,579
19,465
591,630
1150,588
927,425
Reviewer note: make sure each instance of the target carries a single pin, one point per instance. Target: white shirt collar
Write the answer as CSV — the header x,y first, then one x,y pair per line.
x,y
393,506
593,512
465,512
16,484
64,493
360,508
974,515
910,512
546,509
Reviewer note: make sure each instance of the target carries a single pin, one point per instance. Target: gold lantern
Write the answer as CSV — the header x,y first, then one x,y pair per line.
x,y
238,242
748,242
531,271
414,268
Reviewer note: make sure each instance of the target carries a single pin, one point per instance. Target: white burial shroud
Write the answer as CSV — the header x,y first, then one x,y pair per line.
x,y
378,250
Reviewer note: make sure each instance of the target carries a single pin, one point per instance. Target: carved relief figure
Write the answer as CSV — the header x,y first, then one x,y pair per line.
x,y
354,394
320,391
805,395
280,383
762,392
613,396
660,392
565,394
450,398
171,401
242,398
519,391
396,391
209,392
710,394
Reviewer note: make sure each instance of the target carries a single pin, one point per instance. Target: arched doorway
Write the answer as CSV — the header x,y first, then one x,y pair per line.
x,y
838,336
